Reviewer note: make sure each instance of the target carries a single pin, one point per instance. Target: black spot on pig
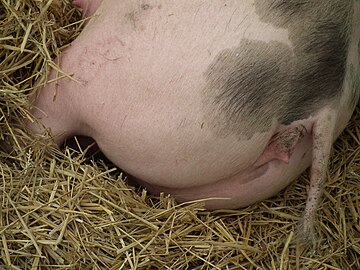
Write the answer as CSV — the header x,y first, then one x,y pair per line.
x,y
261,82
250,79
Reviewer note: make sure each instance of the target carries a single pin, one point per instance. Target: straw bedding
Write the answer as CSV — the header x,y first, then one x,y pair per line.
x,y
62,210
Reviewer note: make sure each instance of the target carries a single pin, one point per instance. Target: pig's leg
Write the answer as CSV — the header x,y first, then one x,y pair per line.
x,y
88,7
323,134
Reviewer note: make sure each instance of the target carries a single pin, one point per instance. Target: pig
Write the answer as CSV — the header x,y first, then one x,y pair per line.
x,y
227,101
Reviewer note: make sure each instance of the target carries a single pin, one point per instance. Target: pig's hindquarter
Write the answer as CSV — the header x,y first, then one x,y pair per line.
x,y
177,150
140,99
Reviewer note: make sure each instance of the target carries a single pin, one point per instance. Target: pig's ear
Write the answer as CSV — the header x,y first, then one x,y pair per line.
x,y
282,145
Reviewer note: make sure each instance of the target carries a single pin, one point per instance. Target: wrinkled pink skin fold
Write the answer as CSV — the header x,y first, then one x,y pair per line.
x,y
137,74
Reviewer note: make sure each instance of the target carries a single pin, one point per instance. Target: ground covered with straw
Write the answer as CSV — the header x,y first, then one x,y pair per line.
x,y
60,209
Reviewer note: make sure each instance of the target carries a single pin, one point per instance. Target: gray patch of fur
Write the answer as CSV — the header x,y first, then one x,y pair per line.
x,y
261,81
354,78
249,79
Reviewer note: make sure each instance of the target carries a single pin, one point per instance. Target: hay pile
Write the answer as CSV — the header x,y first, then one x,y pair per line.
x,y
61,210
